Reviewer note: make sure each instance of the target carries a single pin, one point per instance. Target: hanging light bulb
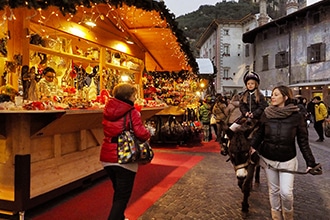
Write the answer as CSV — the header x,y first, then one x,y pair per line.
x,y
90,23
125,78
129,40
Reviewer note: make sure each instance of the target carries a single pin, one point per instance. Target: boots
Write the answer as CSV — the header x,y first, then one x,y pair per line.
x,y
288,215
224,149
276,215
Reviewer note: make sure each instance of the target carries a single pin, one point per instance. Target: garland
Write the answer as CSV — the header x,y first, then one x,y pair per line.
x,y
69,6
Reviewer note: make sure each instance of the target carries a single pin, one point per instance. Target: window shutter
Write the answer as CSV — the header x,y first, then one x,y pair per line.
x,y
309,53
286,57
322,52
277,60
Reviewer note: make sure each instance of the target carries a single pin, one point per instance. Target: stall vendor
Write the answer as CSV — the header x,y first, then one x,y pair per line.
x,y
47,85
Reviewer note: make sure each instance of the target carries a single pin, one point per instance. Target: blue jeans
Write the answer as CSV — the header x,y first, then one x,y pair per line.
x,y
122,182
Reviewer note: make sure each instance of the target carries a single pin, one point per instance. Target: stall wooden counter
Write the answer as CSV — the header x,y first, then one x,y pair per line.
x,y
44,154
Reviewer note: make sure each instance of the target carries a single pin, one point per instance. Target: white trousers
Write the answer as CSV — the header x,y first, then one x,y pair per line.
x,y
280,184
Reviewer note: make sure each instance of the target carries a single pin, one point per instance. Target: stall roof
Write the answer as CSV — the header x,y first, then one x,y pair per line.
x,y
205,66
148,23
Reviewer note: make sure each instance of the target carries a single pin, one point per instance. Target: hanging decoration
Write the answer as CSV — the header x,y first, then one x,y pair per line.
x,y
70,7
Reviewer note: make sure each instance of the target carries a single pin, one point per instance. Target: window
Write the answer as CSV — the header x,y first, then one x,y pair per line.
x,y
316,53
281,30
226,72
225,32
265,35
265,62
247,50
316,18
281,59
226,50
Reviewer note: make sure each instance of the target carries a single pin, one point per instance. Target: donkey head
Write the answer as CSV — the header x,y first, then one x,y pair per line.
x,y
239,146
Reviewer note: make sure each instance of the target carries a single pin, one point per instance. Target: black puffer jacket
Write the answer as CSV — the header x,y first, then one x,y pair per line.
x,y
275,139
251,105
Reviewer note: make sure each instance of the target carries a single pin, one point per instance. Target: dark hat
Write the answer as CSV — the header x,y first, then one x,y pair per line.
x,y
251,75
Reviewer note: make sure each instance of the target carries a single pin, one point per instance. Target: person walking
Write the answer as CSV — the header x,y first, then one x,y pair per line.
x,y
232,110
220,116
121,175
320,114
205,116
280,125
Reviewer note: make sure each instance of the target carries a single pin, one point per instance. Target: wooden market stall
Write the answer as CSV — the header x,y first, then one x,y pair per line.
x,y
45,153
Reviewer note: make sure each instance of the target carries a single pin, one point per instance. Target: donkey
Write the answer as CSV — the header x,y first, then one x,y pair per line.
x,y
246,165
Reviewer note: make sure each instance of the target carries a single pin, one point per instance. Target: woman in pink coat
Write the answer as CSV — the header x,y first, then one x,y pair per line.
x,y
121,175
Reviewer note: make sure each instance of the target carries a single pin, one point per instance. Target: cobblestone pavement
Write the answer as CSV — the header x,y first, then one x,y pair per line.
x,y
209,191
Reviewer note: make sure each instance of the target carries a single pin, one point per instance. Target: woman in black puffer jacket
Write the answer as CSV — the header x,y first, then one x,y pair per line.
x,y
281,125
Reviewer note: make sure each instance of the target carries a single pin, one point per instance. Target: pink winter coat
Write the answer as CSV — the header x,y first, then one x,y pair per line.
x,y
113,122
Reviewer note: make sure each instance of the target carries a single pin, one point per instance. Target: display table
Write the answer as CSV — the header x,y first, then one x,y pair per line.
x,y
172,110
149,112
44,154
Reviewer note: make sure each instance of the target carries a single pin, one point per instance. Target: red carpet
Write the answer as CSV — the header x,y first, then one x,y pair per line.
x,y
211,147
151,182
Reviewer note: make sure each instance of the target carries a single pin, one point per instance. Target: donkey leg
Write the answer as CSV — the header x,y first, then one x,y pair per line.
x,y
245,202
246,193
257,175
246,187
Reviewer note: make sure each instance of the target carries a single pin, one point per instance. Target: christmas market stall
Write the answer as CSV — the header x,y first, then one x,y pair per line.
x,y
50,139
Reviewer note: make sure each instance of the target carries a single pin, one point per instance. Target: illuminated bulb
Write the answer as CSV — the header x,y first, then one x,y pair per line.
x,y
124,78
90,23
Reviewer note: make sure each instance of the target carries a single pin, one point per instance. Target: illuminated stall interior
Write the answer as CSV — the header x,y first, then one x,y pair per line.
x,y
103,42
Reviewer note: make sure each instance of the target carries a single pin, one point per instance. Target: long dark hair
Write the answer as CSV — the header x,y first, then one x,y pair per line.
x,y
285,91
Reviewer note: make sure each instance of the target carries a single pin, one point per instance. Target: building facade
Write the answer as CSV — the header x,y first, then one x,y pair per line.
x,y
294,50
222,43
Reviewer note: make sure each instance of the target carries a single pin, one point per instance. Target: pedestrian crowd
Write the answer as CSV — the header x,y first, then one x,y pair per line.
x,y
280,124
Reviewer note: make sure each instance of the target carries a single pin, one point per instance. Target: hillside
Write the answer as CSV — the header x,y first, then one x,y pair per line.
x,y
194,24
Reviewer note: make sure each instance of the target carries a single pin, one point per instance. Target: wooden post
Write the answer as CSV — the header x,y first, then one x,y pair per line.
x,y
22,182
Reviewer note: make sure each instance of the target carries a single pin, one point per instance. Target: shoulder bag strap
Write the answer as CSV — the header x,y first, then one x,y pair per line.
x,y
124,125
130,122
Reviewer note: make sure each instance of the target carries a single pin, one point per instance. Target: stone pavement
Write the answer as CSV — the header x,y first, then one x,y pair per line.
x,y
209,191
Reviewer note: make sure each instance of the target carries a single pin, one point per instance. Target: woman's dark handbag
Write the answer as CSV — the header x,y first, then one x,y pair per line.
x,y
130,149
327,127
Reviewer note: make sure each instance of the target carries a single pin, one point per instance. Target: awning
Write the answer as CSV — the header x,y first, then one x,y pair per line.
x,y
319,83
205,66
148,23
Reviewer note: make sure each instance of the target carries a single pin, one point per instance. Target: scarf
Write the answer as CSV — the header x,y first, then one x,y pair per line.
x,y
280,112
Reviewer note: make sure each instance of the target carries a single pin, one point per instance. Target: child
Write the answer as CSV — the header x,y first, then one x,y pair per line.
x,y
253,102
